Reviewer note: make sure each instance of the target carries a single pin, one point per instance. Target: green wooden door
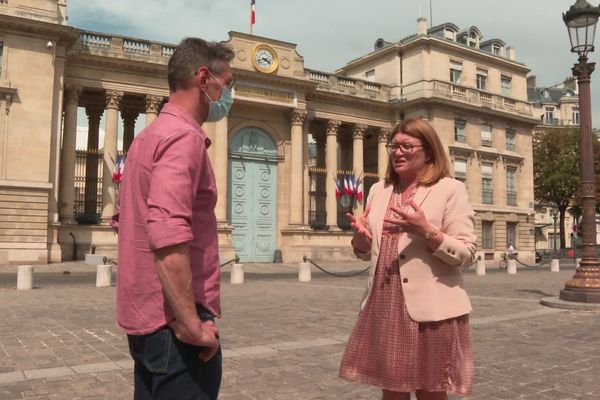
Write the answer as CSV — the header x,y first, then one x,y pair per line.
x,y
253,195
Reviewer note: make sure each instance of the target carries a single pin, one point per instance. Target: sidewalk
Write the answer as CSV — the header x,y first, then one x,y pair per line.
x,y
283,339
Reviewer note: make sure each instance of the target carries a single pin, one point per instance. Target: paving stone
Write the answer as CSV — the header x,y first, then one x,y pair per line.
x,y
283,340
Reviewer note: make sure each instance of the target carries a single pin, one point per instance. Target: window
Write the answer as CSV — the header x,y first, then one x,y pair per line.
x,y
511,139
481,79
487,191
472,40
449,34
505,82
487,239
511,186
497,50
459,130
1,54
460,169
575,114
511,234
553,241
549,116
370,75
455,71
486,135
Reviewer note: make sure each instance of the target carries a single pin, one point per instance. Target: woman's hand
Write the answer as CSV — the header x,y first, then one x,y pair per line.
x,y
361,242
359,225
415,222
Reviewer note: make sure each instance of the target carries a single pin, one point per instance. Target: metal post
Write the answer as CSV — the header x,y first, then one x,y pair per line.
x,y
585,284
554,253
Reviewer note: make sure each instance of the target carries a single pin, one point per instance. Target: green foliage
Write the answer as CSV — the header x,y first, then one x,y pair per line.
x,y
556,160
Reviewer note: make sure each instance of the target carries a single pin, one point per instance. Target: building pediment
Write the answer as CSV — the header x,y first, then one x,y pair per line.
x,y
265,56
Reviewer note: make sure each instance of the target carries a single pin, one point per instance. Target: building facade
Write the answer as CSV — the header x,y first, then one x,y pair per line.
x,y
292,135
555,107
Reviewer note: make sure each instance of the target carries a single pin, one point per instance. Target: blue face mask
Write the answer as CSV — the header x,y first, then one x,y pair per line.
x,y
219,109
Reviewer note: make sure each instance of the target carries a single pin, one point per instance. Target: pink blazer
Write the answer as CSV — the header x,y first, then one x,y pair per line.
x,y
432,282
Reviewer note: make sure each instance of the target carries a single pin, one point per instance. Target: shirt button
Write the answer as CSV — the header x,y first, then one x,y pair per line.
x,y
449,250
453,252
405,280
402,256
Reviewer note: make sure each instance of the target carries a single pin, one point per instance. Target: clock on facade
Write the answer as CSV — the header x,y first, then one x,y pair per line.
x,y
264,59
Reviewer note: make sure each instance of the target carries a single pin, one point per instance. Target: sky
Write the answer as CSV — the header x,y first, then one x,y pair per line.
x,y
330,33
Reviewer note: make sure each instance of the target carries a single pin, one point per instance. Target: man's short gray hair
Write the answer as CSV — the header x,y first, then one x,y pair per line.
x,y
190,55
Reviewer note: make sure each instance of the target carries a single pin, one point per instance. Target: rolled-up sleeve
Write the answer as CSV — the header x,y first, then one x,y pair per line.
x,y
173,184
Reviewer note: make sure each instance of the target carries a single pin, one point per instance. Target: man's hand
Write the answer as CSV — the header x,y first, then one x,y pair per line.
x,y
198,333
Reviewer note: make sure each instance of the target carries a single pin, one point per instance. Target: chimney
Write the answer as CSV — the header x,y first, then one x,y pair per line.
x,y
571,83
531,81
510,52
421,26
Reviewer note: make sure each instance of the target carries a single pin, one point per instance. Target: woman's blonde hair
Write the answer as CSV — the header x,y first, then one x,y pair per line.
x,y
437,167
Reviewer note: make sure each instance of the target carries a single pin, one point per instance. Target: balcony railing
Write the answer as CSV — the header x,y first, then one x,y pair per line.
x,y
469,95
511,198
511,146
487,196
93,41
345,85
486,142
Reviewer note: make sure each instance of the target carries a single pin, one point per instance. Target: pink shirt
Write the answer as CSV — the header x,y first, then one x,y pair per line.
x,y
167,197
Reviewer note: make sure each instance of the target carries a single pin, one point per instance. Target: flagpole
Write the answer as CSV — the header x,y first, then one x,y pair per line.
x,y
251,18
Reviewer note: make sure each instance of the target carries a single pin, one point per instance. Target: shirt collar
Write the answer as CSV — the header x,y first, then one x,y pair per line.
x,y
179,112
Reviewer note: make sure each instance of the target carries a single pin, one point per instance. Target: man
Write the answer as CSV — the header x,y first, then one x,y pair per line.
x,y
511,251
168,276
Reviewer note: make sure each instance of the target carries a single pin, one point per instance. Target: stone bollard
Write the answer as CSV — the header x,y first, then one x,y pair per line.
x,y
555,265
237,274
304,272
103,275
25,277
512,267
577,262
480,267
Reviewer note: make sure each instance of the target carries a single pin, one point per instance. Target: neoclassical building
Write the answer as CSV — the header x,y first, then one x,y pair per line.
x,y
293,132
555,107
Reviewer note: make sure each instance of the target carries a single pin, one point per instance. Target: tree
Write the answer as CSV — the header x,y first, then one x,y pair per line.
x,y
576,209
556,177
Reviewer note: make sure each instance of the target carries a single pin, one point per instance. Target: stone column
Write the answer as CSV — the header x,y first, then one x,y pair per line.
x,y
109,154
91,163
153,103
382,154
221,144
67,164
55,154
129,118
296,193
321,201
358,166
333,127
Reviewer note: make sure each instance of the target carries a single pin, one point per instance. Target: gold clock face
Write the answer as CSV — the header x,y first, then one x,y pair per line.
x,y
264,59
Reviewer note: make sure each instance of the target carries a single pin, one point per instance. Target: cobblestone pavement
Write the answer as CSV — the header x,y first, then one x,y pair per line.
x,y
283,339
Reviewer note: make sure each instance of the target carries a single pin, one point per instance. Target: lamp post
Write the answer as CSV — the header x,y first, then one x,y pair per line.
x,y
581,20
554,214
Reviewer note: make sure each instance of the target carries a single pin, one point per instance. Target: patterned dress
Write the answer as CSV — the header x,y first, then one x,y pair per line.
x,y
389,350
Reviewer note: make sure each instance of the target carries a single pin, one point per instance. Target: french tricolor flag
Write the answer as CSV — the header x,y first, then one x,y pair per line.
x,y
252,13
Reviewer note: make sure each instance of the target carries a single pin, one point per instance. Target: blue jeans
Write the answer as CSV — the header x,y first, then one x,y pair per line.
x,y
166,368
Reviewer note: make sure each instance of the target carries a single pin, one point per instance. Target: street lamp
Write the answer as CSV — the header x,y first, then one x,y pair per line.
x,y
554,214
581,20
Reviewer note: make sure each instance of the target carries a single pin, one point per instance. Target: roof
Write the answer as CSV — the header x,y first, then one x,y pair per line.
x,y
437,32
551,94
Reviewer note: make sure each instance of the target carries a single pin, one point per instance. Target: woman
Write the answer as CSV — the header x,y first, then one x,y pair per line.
x,y
412,334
